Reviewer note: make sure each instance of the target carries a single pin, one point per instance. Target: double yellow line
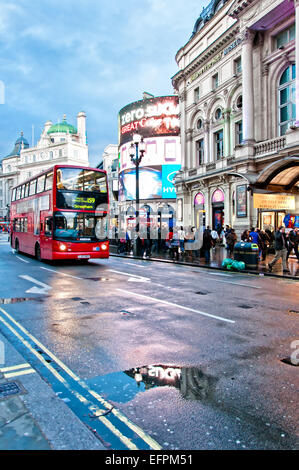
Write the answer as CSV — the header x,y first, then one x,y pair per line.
x,y
8,320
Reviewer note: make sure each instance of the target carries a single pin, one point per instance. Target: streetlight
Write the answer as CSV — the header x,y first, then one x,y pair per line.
x,y
137,150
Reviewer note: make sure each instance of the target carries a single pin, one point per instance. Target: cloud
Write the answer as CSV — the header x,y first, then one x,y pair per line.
x,y
60,57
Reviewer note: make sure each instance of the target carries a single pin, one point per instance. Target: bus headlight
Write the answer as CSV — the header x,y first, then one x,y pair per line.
x,y
62,247
104,246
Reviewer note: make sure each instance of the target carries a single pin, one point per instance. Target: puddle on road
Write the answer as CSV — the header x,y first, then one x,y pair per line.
x,y
122,387
15,300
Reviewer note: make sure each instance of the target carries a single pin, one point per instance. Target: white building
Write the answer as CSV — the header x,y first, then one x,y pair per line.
x,y
60,143
239,121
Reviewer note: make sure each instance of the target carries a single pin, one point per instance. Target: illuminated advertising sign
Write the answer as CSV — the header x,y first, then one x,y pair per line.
x,y
151,117
154,182
168,175
158,151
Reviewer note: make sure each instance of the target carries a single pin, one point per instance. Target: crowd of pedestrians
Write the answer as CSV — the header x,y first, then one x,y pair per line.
x,y
188,243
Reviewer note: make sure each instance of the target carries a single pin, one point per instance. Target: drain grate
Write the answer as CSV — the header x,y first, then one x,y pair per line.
x,y
10,389
288,360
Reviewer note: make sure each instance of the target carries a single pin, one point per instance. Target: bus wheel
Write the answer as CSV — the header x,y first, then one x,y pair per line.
x,y
37,252
17,249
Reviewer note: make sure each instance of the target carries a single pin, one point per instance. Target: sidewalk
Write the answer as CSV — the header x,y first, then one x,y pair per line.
x,y
33,417
217,256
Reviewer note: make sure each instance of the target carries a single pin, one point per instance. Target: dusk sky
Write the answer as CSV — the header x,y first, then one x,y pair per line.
x,y
97,56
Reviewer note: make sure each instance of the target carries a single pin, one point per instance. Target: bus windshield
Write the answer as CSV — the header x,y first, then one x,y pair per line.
x,y
78,226
77,179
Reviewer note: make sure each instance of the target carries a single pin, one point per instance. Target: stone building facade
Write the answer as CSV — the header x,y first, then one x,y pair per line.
x,y
60,143
237,88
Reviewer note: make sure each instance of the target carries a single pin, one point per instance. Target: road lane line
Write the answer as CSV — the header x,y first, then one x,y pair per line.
x,y
62,274
237,284
128,274
94,409
24,260
176,305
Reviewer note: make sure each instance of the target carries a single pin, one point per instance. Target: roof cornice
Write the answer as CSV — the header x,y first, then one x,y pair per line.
x,y
203,57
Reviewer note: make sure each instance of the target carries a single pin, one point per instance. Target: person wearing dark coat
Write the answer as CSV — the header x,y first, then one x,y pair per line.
x,y
207,244
281,250
293,243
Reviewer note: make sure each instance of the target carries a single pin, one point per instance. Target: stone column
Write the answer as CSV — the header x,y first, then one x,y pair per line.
x,y
226,133
206,141
297,60
247,83
188,156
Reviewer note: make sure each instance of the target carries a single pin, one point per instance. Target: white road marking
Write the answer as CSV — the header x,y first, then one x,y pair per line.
x,y
59,272
24,260
137,279
133,264
237,284
218,274
35,290
128,274
176,305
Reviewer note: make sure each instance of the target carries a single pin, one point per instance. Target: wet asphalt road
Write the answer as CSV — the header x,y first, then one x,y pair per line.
x,y
208,345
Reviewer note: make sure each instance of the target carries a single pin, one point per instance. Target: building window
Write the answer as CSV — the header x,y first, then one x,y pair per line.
x,y
239,133
215,81
200,152
51,155
199,124
196,94
239,102
238,66
218,136
287,99
285,36
218,114
60,152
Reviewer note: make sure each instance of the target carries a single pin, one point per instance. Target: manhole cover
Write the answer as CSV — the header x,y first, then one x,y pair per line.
x,y
289,361
11,389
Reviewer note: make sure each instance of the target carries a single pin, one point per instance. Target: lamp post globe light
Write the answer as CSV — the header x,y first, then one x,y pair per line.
x,y
137,150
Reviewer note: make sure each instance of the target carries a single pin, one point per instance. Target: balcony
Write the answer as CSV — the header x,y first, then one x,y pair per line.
x,y
270,146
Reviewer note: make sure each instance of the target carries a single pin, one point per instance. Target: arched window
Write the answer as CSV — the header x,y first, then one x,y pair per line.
x,y
199,124
218,114
287,99
239,102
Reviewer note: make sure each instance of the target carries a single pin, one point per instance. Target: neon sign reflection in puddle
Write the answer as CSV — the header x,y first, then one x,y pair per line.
x,y
122,387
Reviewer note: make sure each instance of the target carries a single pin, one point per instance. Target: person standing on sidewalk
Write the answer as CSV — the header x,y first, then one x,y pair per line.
x,y
182,236
281,250
231,239
207,243
293,243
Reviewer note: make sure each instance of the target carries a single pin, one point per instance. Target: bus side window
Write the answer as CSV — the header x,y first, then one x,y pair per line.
x,y
48,226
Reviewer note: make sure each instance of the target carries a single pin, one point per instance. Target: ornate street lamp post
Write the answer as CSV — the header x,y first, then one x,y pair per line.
x,y
137,150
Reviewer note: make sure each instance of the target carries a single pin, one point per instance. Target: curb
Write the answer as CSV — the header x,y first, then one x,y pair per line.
x,y
217,268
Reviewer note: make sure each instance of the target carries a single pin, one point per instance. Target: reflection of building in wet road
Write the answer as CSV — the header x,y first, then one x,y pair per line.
x,y
192,382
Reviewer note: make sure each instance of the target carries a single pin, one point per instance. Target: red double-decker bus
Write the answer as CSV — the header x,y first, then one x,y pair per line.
x,y
61,214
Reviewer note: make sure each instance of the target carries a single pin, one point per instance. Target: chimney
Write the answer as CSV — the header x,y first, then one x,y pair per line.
x,y
81,127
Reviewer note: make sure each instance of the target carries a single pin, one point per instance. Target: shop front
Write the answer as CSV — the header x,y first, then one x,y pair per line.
x,y
218,209
275,210
199,210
